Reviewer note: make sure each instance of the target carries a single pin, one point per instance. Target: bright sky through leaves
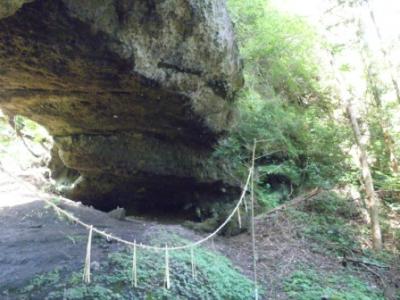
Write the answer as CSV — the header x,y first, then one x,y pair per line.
x,y
387,12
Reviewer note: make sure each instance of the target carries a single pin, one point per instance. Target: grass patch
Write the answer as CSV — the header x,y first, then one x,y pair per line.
x,y
215,278
310,285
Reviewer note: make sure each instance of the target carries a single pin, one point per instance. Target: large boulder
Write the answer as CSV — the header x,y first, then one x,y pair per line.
x,y
136,93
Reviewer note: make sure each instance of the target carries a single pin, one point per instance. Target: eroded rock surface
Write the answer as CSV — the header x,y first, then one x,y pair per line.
x,y
135,93
9,7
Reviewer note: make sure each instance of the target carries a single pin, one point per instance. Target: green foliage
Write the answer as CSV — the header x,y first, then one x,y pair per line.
x,y
278,50
87,292
386,182
5,132
331,204
377,117
37,282
215,278
33,129
9,141
284,105
300,149
309,285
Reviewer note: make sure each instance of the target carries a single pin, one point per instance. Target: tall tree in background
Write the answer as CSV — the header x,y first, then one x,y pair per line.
x,y
373,88
383,121
383,50
372,201
348,97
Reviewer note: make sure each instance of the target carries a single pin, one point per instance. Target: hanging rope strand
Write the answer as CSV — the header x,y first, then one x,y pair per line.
x,y
246,208
239,218
253,234
167,280
193,263
86,270
134,266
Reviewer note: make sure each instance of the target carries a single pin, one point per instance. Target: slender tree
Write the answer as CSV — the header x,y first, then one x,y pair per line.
x,y
383,51
383,121
347,96
376,93
372,201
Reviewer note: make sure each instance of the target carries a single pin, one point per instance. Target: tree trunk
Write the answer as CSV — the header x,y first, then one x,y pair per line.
x,y
384,125
371,199
384,52
372,84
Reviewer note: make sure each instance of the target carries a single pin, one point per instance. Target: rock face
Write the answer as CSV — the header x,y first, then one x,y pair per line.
x,y
9,7
135,92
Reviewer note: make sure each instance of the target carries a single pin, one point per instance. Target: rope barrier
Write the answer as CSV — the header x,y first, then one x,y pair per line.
x,y
134,245
110,236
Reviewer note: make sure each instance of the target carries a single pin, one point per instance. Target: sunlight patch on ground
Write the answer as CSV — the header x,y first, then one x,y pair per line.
x,y
12,194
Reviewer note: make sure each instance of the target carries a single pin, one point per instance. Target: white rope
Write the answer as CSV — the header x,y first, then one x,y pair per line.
x,y
110,236
134,266
167,279
86,270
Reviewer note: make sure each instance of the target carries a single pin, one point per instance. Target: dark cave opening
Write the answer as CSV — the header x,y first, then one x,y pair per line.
x,y
166,200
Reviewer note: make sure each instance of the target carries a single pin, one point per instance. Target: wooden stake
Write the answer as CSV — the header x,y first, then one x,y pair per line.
x,y
167,279
134,266
253,234
86,270
193,265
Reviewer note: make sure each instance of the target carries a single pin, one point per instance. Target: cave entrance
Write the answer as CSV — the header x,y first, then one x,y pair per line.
x,y
163,199
164,214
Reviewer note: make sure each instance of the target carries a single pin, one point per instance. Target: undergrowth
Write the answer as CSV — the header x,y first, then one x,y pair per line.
x,y
334,225
310,285
215,278
326,221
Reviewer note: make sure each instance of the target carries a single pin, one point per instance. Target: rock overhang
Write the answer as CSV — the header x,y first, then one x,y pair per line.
x,y
135,93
